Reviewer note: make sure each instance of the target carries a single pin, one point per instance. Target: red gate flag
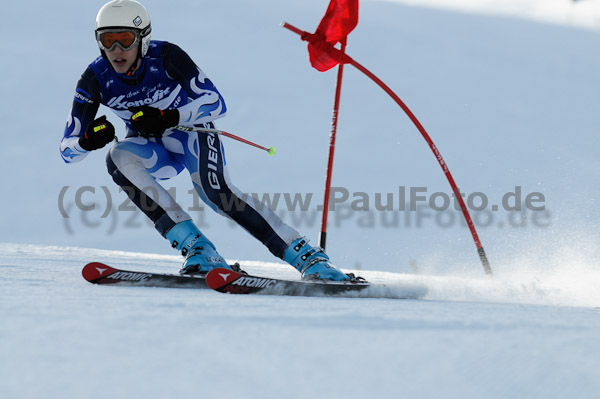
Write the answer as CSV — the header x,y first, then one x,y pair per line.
x,y
340,19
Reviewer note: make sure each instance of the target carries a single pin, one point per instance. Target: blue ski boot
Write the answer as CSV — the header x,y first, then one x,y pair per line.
x,y
312,262
200,254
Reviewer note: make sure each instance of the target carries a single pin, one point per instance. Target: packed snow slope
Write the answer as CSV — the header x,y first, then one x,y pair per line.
x,y
61,337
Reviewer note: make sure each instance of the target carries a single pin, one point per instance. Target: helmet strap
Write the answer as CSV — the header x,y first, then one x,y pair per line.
x,y
132,69
136,64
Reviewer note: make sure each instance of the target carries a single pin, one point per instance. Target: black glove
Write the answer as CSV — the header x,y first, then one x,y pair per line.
x,y
98,133
152,122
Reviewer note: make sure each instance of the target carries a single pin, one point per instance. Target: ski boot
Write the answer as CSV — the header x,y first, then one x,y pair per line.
x,y
200,254
312,262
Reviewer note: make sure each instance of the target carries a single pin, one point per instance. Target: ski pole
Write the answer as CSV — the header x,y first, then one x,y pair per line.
x,y
269,150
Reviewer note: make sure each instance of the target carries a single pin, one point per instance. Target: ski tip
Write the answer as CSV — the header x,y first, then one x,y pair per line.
x,y
95,271
220,277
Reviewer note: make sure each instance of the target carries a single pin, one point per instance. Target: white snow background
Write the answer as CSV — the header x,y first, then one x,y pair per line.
x,y
508,90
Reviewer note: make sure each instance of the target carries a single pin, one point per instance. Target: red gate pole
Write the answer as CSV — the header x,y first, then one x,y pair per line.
x,y
332,137
344,58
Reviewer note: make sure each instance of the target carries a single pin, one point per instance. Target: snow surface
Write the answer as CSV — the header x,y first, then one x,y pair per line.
x,y
580,13
507,90
62,337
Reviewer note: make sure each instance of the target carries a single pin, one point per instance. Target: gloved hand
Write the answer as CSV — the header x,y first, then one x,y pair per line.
x,y
98,133
152,122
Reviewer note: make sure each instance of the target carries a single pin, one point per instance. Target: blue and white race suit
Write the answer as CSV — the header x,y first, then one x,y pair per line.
x,y
167,79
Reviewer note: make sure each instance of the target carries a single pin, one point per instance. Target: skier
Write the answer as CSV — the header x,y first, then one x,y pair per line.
x,y
154,86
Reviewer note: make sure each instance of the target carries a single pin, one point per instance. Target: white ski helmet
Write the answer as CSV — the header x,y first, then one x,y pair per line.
x,y
125,14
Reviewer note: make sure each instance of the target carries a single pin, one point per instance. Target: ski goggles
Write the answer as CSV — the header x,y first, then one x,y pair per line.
x,y
124,38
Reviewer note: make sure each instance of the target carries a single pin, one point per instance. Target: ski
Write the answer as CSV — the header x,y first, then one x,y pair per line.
x,y
228,281
99,273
